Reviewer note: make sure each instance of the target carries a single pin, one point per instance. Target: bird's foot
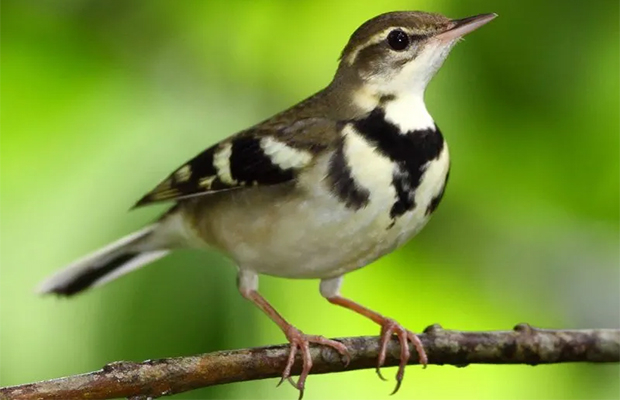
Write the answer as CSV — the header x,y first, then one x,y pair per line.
x,y
300,341
390,327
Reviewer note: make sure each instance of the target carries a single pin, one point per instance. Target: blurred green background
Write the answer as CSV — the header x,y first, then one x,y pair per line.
x,y
101,99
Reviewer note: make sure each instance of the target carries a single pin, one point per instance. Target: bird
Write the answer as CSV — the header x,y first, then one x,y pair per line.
x,y
319,190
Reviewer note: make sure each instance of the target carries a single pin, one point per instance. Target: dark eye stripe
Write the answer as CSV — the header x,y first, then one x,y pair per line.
x,y
417,38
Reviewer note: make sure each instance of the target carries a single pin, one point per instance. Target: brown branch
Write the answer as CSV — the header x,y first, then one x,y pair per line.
x,y
155,378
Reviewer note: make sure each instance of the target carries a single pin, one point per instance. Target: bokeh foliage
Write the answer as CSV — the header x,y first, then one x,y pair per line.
x,y
101,99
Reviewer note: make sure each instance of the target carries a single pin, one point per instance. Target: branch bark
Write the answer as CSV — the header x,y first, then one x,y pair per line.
x,y
156,378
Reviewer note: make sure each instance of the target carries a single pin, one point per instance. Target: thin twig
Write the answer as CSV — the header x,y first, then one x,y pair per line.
x,y
156,378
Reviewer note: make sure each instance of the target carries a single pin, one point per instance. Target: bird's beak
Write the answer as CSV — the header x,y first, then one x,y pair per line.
x,y
461,27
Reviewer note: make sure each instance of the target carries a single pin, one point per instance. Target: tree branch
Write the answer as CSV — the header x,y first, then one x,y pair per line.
x,y
155,378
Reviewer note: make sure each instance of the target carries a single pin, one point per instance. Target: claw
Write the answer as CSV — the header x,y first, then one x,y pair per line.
x,y
286,374
289,379
300,341
292,382
383,342
389,328
404,356
398,383
378,370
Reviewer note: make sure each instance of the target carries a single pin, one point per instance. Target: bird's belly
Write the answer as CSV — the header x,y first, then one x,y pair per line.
x,y
300,237
319,241
326,247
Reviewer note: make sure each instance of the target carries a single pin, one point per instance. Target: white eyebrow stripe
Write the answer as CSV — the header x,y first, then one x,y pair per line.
x,y
377,38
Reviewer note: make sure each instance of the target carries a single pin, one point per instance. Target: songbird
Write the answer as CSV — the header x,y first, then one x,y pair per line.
x,y
319,190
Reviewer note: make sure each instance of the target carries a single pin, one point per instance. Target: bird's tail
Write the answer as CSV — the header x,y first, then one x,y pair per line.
x,y
123,256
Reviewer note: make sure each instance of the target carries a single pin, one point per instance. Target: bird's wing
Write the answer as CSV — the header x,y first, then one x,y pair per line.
x,y
260,156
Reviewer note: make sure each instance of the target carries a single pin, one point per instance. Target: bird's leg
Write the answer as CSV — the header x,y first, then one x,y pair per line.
x,y
389,327
248,285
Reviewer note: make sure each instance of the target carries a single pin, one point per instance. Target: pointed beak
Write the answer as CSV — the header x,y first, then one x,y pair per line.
x,y
461,27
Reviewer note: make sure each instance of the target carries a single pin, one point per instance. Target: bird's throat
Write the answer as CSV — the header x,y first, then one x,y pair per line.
x,y
406,110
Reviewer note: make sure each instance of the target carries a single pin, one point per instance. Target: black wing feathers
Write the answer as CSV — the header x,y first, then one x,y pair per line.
x,y
249,164
254,157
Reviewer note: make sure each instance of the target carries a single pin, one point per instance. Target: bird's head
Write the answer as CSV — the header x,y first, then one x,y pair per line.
x,y
400,52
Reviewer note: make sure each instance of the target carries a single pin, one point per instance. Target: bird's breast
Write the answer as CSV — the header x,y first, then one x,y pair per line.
x,y
401,175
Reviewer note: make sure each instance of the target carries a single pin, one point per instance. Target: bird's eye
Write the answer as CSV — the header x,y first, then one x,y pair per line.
x,y
398,40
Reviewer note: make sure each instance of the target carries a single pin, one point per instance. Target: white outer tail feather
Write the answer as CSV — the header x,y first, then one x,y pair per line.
x,y
140,261
129,244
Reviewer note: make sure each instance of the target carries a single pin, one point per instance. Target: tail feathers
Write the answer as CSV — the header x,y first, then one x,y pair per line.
x,y
102,266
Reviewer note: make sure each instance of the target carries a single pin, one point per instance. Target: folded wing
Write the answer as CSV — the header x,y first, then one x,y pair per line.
x,y
250,158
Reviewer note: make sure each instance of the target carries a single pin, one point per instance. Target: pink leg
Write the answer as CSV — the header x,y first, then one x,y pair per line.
x,y
297,339
389,327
